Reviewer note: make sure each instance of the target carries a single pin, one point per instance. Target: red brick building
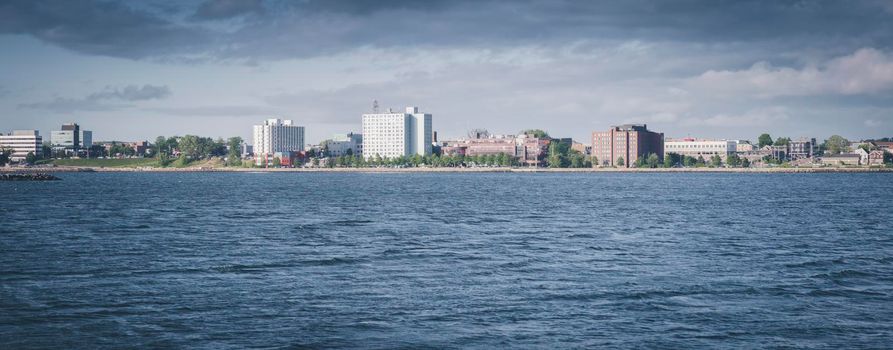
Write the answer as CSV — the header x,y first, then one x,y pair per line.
x,y
629,142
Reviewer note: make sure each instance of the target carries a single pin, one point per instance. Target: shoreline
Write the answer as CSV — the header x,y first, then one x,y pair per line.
x,y
69,169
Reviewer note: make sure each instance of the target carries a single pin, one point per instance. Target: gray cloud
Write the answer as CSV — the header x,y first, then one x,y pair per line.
x,y
110,98
132,93
222,9
867,71
218,111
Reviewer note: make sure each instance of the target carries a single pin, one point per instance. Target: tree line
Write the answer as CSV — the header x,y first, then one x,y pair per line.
x,y
435,161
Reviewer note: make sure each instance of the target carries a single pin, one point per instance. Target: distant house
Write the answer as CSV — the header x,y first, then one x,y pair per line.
x,y
876,157
863,155
841,159
885,146
777,152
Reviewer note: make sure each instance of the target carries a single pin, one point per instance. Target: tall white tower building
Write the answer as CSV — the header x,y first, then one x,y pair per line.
x,y
394,134
277,135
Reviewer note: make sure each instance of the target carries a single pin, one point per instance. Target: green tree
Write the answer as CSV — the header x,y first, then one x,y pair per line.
x,y
234,152
555,158
764,140
30,158
46,149
276,162
620,161
160,146
315,162
575,159
181,162
653,160
701,161
716,161
595,161
535,133
190,146
782,141
507,160
745,163
837,144
672,159
5,155
493,159
733,160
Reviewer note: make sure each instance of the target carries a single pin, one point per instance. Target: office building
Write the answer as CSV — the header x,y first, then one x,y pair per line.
x,y
528,150
700,148
247,150
801,149
744,146
395,134
22,142
71,139
344,144
492,145
627,143
277,136
584,149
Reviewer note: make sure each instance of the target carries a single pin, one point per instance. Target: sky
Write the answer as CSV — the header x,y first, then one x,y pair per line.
x,y
710,69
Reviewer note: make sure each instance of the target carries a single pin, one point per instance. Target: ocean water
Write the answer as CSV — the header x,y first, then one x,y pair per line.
x,y
309,260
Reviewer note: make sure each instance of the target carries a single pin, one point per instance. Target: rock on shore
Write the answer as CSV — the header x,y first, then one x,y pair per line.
x,y
28,177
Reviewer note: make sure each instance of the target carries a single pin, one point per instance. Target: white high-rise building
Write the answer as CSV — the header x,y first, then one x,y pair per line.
x,y
22,142
277,135
394,134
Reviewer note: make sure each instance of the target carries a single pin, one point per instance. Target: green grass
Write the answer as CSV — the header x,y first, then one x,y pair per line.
x,y
108,163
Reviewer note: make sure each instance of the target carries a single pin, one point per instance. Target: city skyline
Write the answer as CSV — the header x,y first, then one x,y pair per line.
x,y
133,71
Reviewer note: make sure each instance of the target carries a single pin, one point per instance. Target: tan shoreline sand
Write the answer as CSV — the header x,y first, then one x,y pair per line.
x,y
451,170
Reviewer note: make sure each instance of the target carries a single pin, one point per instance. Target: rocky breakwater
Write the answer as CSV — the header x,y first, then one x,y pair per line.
x,y
28,177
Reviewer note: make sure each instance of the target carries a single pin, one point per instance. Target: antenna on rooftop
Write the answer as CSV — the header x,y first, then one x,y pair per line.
x,y
374,106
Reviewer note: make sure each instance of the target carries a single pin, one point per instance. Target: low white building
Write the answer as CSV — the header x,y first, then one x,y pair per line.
x,y
396,134
704,148
344,144
22,142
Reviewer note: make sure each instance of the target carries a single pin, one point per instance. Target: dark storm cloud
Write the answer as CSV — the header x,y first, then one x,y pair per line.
x,y
311,28
221,9
99,28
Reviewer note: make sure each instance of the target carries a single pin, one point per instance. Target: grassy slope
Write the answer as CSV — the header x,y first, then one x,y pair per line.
x,y
138,162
